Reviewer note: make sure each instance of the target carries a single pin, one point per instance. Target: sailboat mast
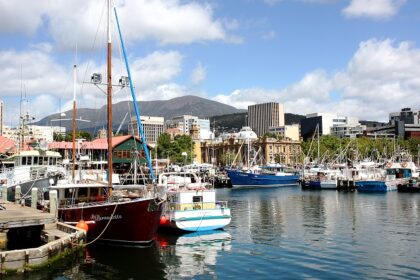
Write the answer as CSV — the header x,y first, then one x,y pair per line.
x,y
73,153
109,101
317,129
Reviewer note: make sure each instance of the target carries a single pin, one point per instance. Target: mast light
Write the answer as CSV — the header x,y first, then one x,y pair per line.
x,y
124,81
96,78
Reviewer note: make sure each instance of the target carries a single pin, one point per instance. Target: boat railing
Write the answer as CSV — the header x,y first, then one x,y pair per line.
x,y
221,204
195,206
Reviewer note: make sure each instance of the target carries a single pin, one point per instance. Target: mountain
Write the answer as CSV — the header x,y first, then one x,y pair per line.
x,y
185,105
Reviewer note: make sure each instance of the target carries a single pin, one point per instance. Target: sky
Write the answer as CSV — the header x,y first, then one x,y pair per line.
x,y
358,58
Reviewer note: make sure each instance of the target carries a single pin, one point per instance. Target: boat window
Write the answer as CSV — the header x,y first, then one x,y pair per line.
x,y
93,192
29,161
23,160
54,161
45,160
390,171
35,160
41,160
197,199
68,193
82,192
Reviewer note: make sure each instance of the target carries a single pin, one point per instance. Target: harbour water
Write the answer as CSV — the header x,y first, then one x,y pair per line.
x,y
275,233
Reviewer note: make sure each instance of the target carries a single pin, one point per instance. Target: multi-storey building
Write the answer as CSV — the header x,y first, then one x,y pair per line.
x,y
330,124
188,123
153,127
263,116
291,132
32,133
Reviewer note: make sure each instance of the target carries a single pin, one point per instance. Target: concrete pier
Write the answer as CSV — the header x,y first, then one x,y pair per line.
x,y
56,239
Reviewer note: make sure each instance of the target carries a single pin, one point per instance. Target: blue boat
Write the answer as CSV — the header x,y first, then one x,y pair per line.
x,y
396,174
266,176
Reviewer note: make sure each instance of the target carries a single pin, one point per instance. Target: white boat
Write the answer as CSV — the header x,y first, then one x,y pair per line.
x,y
191,205
397,173
32,169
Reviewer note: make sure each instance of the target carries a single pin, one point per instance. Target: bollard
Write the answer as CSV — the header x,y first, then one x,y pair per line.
x,y
4,192
53,203
17,194
34,197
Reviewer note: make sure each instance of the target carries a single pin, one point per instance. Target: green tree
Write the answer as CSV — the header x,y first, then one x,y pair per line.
x,y
173,149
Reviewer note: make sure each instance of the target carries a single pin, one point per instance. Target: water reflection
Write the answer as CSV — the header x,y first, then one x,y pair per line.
x,y
275,233
193,254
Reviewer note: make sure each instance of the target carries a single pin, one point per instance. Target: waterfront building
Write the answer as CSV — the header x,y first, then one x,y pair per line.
x,y
291,132
330,124
405,123
153,127
33,133
224,150
263,116
406,115
187,123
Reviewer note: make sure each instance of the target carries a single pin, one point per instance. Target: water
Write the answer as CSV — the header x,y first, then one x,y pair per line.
x,y
275,233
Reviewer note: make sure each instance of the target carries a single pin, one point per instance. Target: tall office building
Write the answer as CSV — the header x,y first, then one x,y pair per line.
x,y
153,127
263,116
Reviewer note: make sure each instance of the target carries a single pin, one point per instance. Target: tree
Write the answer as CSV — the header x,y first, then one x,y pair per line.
x,y
173,149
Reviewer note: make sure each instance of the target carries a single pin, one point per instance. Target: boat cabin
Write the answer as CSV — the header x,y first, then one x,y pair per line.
x,y
399,172
192,200
31,158
81,193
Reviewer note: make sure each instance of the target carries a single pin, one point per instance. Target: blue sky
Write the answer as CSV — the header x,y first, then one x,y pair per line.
x,y
353,57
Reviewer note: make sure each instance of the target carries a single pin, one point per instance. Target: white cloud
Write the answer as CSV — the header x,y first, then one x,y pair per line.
x,y
198,74
376,9
45,80
77,21
21,16
156,68
381,77
40,73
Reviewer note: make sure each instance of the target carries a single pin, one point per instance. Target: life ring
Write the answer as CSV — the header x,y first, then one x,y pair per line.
x,y
388,165
404,164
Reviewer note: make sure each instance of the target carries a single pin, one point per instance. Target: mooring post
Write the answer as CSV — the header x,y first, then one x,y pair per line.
x,y
34,197
17,194
4,193
53,203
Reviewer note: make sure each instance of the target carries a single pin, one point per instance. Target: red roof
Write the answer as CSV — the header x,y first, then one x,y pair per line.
x,y
97,144
7,145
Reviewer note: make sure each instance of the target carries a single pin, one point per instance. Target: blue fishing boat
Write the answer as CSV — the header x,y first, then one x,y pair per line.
x,y
396,174
266,176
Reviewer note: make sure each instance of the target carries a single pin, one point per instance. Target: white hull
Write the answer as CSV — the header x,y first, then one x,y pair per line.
x,y
329,184
197,220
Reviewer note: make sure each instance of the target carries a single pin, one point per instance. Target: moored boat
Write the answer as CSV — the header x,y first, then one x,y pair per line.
x,y
412,186
266,176
396,174
126,214
31,169
191,205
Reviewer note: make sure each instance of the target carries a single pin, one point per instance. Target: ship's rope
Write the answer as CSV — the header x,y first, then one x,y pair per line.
x,y
105,228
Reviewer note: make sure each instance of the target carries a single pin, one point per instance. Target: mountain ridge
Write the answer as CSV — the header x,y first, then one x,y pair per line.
x,y
184,105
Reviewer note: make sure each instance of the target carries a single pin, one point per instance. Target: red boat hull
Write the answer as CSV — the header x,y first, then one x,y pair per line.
x,y
134,221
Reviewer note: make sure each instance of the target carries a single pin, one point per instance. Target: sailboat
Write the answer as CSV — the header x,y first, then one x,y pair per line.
x,y
122,214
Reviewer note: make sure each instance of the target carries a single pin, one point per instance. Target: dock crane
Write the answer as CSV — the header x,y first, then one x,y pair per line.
x,y
122,122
